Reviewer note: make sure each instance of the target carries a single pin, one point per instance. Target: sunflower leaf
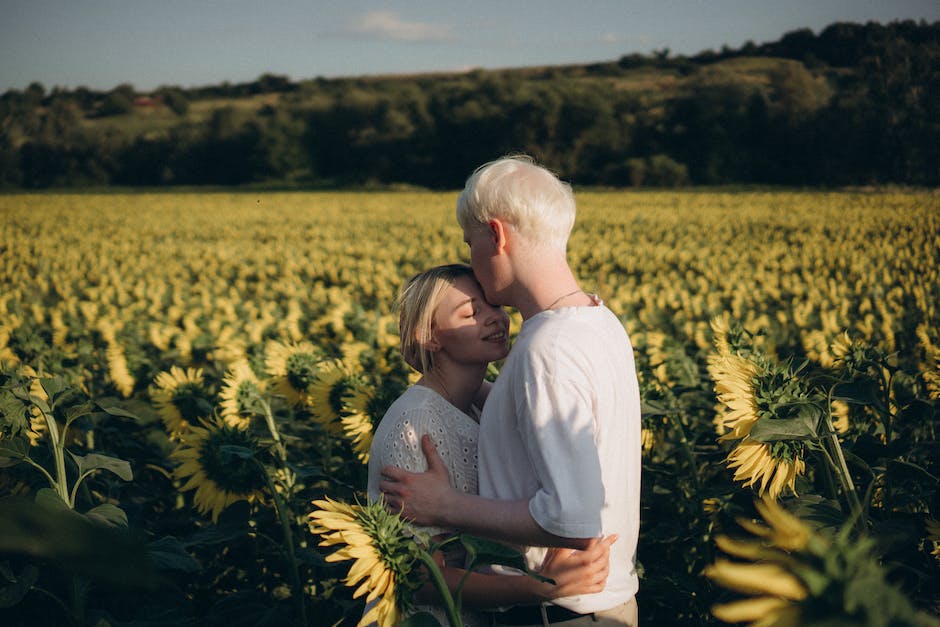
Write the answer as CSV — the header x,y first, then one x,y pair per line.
x,y
168,553
772,430
48,530
481,552
860,392
420,619
94,461
14,414
75,412
108,514
19,586
13,451
115,410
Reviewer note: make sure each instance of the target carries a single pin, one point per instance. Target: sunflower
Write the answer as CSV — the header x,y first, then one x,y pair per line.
x,y
292,368
383,548
754,462
792,574
239,387
326,394
840,413
734,385
359,408
207,465
180,399
120,375
751,389
933,536
932,380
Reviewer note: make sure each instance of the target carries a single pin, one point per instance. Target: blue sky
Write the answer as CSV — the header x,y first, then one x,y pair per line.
x,y
148,43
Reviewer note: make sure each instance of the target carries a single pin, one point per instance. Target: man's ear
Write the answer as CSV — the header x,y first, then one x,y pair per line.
x,y
500,234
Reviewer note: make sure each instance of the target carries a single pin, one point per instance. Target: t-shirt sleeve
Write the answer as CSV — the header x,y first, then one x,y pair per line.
x,y
556,421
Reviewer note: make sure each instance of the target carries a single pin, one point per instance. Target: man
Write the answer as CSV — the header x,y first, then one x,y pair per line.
x,y
559,448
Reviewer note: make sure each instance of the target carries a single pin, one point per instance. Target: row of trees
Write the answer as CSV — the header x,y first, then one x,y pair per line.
x,y
857,104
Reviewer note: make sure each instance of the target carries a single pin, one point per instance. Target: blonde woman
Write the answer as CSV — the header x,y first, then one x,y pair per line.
x,y
450,333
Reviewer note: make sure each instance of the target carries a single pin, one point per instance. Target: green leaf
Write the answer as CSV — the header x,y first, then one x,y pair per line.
x,y
420,619
860,392
168,553
899,469
13,451
53,386
47,497
771,430
108,514
917,412
94,461
653,408
14,413
46,530
19,586
75,412
111,408
482,552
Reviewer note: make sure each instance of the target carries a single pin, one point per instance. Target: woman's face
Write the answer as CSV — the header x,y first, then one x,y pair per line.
x,y
468,329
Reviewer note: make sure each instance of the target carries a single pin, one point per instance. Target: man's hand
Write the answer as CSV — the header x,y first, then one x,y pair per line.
x,y
424,497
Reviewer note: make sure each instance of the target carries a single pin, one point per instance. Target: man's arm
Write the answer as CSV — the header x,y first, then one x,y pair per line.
x,y
428,499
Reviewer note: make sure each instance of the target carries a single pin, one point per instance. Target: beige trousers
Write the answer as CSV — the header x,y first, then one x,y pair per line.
x,y
623,614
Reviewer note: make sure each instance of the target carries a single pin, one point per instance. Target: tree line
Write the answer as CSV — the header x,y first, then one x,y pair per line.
x,y
857,104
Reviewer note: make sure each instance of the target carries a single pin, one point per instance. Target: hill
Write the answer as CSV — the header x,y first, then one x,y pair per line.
x,y
855,104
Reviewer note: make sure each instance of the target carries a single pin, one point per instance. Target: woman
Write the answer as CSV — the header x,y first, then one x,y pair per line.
x,y
450,333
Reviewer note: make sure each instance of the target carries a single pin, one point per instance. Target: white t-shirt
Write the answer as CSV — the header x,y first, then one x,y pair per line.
x,y
561,427
397,442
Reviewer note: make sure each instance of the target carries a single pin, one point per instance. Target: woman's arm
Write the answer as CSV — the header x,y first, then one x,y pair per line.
x,y
574,572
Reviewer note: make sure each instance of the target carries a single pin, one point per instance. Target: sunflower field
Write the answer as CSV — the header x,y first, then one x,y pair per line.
x,y
189,384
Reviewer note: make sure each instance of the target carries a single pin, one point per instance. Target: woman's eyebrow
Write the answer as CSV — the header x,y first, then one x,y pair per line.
x,y
464,302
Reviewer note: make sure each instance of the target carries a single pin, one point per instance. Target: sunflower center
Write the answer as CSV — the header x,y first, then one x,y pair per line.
x,y
188,398
222,460
301,370
337,392
244,395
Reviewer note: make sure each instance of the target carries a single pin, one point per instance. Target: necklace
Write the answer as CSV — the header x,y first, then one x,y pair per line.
x,y
561,298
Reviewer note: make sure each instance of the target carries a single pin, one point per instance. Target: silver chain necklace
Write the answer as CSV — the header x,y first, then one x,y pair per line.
x,y
561,298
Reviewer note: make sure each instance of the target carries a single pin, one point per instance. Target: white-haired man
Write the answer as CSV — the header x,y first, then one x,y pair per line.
x,y
559,448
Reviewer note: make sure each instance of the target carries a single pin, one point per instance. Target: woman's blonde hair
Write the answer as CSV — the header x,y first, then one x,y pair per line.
x,y
417,304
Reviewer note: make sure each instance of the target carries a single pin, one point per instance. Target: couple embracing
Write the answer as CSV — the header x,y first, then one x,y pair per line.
x,y
547,458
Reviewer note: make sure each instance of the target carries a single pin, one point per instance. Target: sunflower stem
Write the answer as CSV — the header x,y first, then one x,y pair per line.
x,y
278,445
437,578
686,451
837,462
57,442
845,479
284,518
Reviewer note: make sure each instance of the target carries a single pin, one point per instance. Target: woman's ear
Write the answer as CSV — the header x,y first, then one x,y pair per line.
x,y
428,343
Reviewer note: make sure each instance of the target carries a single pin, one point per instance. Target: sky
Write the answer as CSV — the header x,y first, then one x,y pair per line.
x,y
100,44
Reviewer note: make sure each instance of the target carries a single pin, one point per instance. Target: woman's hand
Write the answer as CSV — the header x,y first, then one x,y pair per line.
x,y
576,572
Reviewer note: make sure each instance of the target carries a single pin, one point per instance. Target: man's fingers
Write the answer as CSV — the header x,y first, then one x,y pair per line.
x,y
435,463
393,473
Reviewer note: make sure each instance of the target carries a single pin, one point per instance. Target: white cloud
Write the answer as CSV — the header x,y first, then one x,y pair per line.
x,y
611,38
388,25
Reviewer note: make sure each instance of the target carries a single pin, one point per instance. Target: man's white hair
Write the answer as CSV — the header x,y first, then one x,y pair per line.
x,y
539,206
